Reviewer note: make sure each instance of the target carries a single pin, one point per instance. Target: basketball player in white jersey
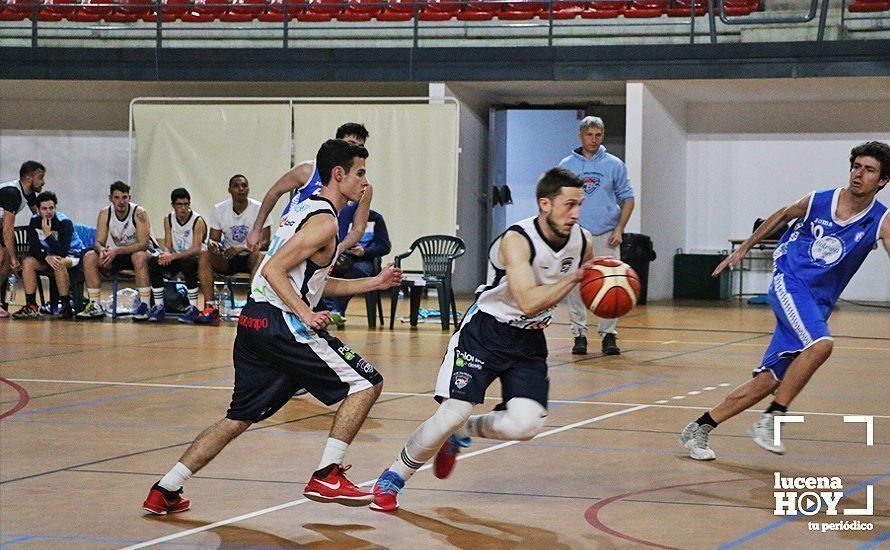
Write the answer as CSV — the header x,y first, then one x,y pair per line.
x,y
534,264
184,234
303,180
281,345
14,196
227,251
123,241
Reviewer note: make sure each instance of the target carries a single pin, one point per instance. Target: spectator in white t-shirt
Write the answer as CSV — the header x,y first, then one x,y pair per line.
x,y
227,252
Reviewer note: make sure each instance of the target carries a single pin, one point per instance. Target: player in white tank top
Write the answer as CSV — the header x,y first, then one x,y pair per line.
x,y
534,265
123,241
281,344
14,196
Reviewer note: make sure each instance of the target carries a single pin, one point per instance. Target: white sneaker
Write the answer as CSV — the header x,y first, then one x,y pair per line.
x,y
93,310
695,438
763,433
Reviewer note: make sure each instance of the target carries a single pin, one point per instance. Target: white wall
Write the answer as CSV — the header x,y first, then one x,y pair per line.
x,y
80,165
663,208
735,178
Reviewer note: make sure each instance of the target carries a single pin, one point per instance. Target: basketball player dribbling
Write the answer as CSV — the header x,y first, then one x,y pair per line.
x,y
815,259
534,264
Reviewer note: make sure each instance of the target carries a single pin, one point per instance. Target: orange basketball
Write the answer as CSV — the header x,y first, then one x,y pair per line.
x,y
610,290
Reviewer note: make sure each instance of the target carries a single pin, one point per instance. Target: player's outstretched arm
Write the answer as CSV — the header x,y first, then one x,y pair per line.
x,y
293,179
532,298
778,218
317,235
388,277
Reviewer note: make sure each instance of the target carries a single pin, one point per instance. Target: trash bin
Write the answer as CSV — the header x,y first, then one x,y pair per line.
x,y
637,252
692,277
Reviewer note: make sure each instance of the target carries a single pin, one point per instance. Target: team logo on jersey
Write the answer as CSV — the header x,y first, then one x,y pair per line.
x,y
826,249
566,265
859,236
461,379
239,233
463,360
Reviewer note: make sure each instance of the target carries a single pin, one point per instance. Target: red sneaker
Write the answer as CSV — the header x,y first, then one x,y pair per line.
x,y
386,491
330,485
447,456
208,316
160,501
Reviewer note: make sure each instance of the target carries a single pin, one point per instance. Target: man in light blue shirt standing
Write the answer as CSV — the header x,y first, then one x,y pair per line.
x,y
608,204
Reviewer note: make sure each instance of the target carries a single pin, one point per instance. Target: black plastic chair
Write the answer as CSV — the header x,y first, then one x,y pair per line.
x,y
438,253
373,303
21,250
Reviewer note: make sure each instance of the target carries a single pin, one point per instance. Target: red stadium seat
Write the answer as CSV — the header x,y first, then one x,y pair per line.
x,y
54,10
320,11
128,11
647,8
443,6
17,10
564,13
521,15
244,10
599,13
683,8
868,6
740,7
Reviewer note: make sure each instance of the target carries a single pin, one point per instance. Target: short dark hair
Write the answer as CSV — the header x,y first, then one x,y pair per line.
x,y
353,129
29,167
336,152
180,193
875,149
553,180
46,196
236,176
118,186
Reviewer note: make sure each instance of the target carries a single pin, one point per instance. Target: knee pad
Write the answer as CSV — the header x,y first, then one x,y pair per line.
x,y
524,418
452,414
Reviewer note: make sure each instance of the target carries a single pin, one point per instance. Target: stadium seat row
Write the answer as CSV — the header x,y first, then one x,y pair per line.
x,y
125,11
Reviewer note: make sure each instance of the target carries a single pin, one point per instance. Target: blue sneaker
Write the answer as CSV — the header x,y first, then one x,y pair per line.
x,y
157,314
141,312
190,315
447,455
386,491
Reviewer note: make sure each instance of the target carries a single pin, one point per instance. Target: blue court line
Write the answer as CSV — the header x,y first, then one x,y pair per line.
x,y
110,399
786,519
614,388
873,543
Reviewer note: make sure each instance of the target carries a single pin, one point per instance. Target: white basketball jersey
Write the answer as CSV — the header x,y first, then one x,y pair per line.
x,y
183,234
18,186
549,264
234,226
122,232
308,279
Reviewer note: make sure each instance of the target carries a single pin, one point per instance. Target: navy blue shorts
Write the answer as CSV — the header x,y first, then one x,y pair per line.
x,y
484,350
276,354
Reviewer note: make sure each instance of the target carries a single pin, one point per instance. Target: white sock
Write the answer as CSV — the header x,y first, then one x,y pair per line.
x,y
93,294
158,295
334,450
175,477
193,296
426,440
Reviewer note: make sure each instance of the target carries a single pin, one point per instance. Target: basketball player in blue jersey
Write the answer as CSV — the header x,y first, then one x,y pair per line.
x,y
304,181
832,233
281,345
534,264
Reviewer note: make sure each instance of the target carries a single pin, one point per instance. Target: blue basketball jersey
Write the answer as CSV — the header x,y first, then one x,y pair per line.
x,y
823,252
312,187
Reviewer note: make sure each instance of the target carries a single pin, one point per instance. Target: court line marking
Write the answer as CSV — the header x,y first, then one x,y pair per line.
x,y
292,503
416,394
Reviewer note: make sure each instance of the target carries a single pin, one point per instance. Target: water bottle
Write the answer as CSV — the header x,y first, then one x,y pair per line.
x,y
10,287
225,302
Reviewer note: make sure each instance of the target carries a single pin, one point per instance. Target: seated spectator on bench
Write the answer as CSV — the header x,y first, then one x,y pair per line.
x,y
358,262
123,241
52,245
184,234
227,252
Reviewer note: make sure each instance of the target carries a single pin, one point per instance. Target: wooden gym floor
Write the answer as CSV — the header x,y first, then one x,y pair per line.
x,y
94,413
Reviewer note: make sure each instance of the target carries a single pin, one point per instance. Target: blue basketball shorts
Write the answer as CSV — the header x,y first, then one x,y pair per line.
x,y
800,322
